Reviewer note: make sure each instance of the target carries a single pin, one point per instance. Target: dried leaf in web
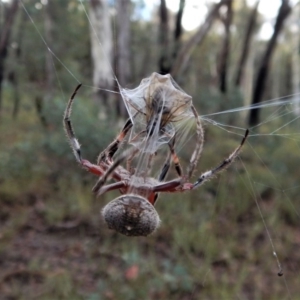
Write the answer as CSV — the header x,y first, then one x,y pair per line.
x,y
156,107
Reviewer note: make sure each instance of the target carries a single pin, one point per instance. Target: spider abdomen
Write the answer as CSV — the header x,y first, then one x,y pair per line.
x,y
131,215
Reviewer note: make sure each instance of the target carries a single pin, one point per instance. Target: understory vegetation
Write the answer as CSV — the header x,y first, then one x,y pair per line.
x,y
212,241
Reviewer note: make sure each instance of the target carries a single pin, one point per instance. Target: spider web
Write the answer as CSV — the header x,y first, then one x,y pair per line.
x,y
278,130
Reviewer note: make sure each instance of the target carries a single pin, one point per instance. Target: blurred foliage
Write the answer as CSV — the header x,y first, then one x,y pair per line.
x,y
212,243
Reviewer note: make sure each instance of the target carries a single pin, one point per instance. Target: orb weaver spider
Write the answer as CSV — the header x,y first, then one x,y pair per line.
x,y
133,213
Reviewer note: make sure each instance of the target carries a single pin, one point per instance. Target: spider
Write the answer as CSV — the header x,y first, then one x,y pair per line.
x,y
133,213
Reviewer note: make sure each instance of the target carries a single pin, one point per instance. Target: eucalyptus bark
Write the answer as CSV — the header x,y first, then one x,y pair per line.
x,y
101,48
123,49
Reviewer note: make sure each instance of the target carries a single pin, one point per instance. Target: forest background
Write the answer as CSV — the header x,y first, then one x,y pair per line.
x,y
227,240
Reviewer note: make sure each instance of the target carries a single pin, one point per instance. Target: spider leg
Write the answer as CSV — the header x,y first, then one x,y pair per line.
x,y
209,174
112,148
194,158
175,157
165,169
111,187
168,186
101,181
198,148
137,136
171,156
75,146
69,129
94,169
163,174
199,145
109,152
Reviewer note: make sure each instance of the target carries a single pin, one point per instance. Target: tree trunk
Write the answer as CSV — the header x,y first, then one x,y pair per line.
x,y
263,72
178,25
15,83
246,45
39,109
4,39
186,50
123,49
177,32
14,78
224,55
101,48
296,61
169,49
49,67
164,60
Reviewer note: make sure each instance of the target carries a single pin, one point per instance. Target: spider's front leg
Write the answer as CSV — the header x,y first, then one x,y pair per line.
x,y
69,129
92,168
186,186
226,163
102,180
108,153
75,146
199,144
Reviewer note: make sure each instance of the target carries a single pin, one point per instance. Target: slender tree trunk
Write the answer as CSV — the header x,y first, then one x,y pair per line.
x,y
15,83
246,45
224,55
186,50
101,48
178,25
248,80
288,87
4,39
49,67
296,81
14,78
38,101
263,71
164,60
177,32
296,61
123,49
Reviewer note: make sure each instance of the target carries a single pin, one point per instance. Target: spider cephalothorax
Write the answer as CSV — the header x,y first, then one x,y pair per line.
x,y
133,213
